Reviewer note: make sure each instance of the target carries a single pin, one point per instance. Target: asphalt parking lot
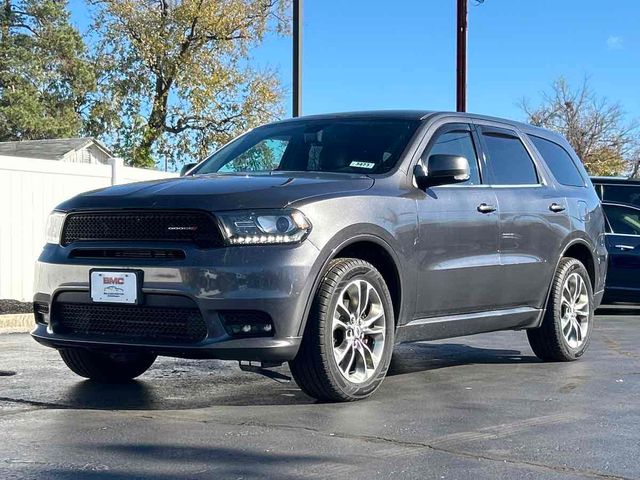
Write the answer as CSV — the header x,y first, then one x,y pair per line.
x,y
473,407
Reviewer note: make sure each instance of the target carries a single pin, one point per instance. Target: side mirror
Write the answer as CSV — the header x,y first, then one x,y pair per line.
x,y
186,168
441,170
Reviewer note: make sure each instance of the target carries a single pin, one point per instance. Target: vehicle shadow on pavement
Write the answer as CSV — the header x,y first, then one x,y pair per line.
x,y
619,310
226,462
165,394
420,357
148,395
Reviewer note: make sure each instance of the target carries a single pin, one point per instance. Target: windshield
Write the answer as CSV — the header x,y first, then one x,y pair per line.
x,y
336,145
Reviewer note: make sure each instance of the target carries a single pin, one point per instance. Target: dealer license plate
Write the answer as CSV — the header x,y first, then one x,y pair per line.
x,y
114,287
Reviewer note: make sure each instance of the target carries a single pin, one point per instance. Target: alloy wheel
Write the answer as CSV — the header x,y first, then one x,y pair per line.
x,y
574,310
358,329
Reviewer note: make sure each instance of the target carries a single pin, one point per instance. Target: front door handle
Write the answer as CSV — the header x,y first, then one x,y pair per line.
x,y
625,248
484,208
557,208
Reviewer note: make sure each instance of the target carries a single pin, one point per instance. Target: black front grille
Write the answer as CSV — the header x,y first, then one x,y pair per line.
x,y
196,227
133,322
144,254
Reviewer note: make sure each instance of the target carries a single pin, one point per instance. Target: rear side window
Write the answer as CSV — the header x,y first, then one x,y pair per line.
x,y
559,161
509,160
623,220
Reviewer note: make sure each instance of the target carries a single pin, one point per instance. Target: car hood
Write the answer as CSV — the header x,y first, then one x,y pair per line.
x,y
221,192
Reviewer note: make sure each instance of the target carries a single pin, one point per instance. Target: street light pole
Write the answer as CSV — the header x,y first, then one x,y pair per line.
x,y
297,58
461,58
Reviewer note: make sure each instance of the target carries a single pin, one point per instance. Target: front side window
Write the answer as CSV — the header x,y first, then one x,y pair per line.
x,y
559,161
508,160
459,143
623,220
338,145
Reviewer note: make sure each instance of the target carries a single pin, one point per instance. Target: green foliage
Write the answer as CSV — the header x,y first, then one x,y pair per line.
x,y
176,78
166,80
45,75
264,156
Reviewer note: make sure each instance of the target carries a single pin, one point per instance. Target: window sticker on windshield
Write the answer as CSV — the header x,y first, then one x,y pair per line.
x,y
362,164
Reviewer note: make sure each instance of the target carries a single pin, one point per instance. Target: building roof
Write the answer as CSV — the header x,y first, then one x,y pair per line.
x,y
52,149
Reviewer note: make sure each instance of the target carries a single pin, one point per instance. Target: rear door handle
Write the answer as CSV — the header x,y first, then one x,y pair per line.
x,y
625,248
557,208
484,208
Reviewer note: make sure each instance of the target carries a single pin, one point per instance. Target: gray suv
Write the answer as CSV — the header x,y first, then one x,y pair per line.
x,y
323,241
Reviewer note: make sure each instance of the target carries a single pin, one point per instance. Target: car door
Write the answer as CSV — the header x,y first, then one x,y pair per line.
x,y
533,218
457,249
623,245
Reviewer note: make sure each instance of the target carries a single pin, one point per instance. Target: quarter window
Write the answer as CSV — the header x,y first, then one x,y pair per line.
x,y
458,143
559,161
623,220
509,160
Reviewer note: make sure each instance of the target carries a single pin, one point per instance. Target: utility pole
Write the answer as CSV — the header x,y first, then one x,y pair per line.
x,y
461,57
297,58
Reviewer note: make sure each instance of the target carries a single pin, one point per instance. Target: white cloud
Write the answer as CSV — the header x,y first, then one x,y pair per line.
x,y
614,43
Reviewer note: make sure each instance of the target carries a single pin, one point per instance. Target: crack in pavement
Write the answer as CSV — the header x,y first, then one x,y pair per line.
x,y
438,445
35,403
444,444
449,450
615,347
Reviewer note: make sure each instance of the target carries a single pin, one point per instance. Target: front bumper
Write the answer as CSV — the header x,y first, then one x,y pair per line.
x,y
276,280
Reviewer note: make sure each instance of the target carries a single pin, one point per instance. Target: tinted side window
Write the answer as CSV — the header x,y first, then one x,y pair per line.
x,y
622,194
459,143
559,161
623,220
509,161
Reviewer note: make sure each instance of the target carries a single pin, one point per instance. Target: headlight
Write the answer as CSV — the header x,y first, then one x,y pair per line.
x,y
54,227
263,227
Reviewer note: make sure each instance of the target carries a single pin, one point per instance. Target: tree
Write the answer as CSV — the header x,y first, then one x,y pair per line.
x,y
595,127
176,78
45,75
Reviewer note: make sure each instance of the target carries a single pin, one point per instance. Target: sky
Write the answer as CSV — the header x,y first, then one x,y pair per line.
x,y
375,54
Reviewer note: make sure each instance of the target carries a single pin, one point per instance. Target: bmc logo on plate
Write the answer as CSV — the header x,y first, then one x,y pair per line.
x,y
113,280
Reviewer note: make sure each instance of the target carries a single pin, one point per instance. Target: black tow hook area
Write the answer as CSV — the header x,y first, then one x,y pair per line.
x,y
262,368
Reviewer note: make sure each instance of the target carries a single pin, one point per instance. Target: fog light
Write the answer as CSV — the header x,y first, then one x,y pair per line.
x,y
246,323
41,313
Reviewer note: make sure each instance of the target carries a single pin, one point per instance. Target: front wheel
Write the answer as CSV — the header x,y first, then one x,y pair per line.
x,y
568,321
106,367
347,345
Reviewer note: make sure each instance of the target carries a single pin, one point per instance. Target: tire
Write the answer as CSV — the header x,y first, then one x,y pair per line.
x,y
370,336
551,342
106,367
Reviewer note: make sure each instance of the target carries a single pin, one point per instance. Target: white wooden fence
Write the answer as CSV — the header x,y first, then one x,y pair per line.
x,y
29,190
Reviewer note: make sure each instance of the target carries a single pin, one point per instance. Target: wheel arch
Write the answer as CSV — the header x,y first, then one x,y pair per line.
x,y
375,250
579,249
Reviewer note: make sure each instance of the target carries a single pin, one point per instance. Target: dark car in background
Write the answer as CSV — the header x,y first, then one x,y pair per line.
x,y
621,203
323,241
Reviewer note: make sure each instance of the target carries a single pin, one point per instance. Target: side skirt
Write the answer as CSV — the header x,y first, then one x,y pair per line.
x,y
449,326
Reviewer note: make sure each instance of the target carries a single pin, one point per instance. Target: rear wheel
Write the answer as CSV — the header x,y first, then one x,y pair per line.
x,y
106,367
566,328
347,344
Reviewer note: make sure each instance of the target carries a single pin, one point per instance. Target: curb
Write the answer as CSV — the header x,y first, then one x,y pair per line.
x,y
16,323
